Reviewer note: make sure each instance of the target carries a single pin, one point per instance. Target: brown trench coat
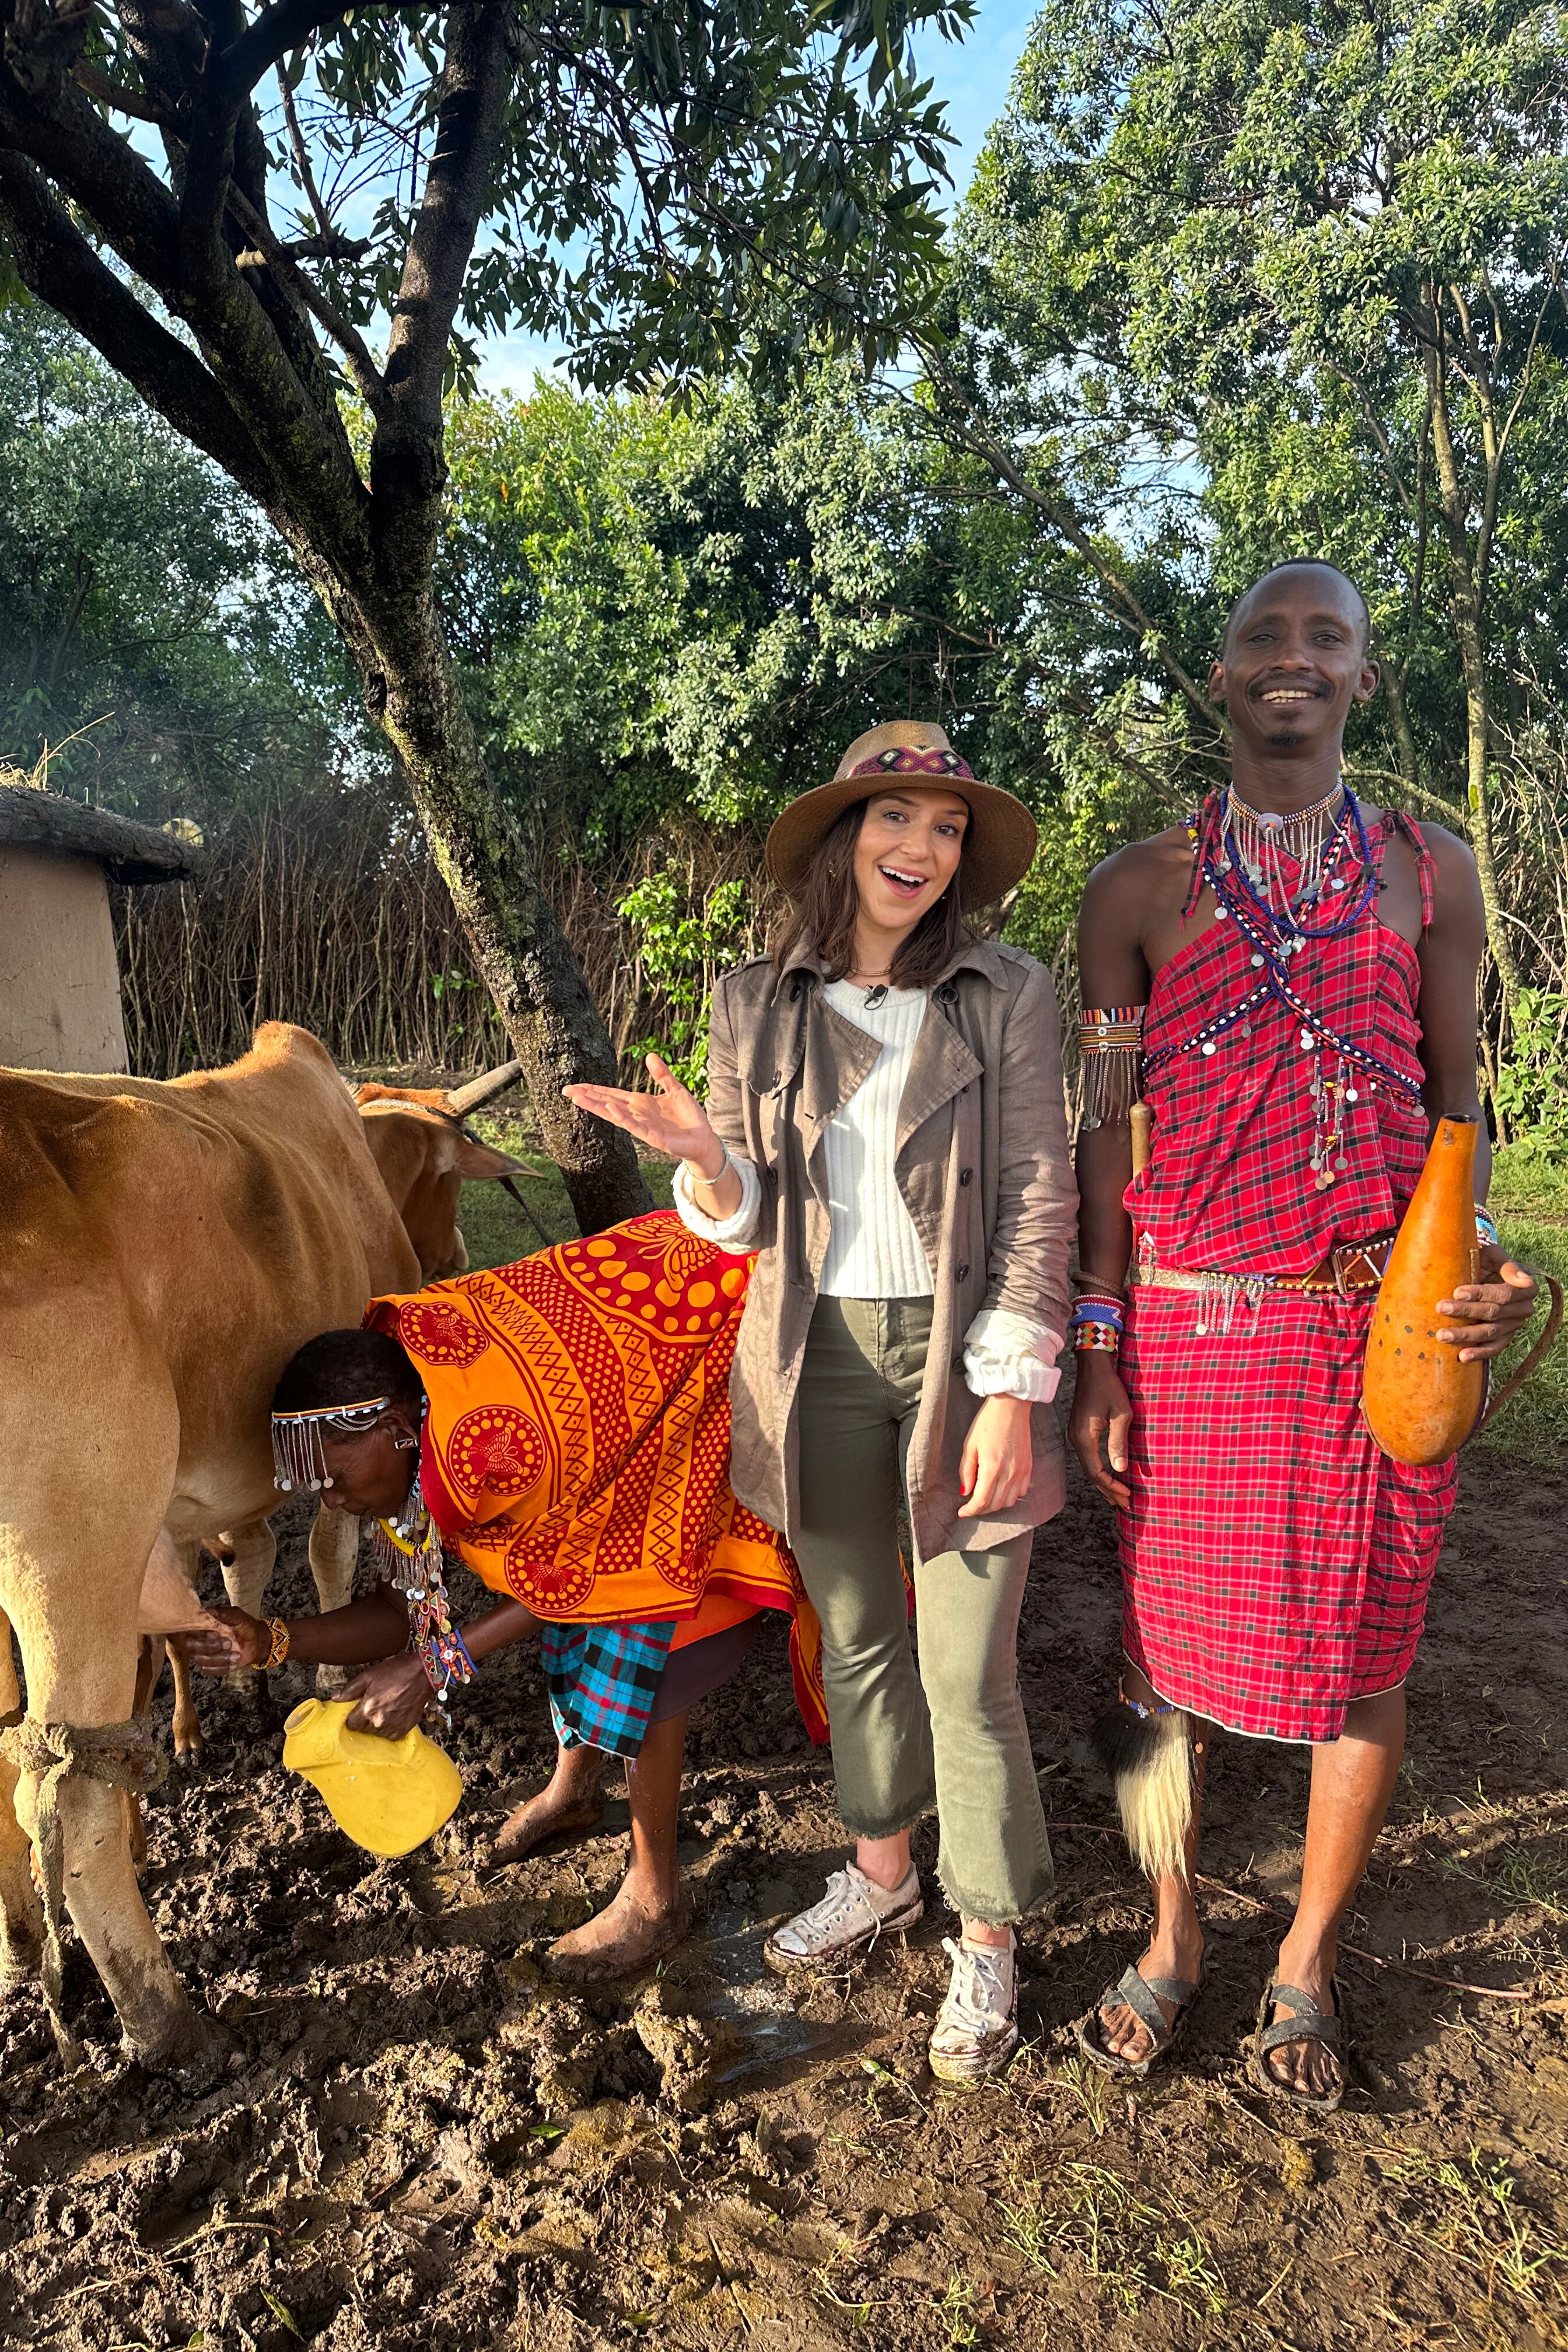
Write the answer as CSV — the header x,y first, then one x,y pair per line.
x,y
982,1161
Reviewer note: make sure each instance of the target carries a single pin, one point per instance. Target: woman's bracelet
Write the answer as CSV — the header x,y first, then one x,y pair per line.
x,y
724,1168
1485,1230
280,1650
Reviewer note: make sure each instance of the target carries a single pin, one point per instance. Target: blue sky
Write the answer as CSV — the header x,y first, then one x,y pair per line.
x,y
971,77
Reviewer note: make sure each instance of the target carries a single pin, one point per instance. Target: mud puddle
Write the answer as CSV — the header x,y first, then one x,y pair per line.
x,y
406,2138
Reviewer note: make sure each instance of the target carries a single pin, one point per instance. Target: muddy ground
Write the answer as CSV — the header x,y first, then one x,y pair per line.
x,y
406,2139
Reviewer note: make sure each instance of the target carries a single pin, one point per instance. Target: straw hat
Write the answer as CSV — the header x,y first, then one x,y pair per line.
x,y
999,846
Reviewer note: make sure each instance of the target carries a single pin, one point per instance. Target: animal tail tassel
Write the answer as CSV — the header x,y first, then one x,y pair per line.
x,y
1148,1753
1420,1402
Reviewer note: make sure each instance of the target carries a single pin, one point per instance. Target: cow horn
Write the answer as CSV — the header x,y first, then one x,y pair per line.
x,y
480,1091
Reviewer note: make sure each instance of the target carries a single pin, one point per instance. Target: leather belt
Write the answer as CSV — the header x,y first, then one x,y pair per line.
x,y
1352,1267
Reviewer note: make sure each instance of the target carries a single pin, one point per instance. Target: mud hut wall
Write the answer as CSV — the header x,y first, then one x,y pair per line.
x,y
59,986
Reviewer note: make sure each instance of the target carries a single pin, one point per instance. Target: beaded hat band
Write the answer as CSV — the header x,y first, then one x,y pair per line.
x,y
297,1456
999,846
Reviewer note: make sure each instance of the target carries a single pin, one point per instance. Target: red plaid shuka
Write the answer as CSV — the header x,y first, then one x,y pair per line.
x,y
1276,1564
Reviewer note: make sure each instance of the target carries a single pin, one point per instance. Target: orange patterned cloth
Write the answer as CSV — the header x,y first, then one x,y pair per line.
x,y
577,1442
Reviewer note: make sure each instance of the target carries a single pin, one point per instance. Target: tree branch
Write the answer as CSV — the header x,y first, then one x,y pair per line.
x,y
62,131
1062,520
267,40
276,255
301,155
467,124
255,339
57,263
1377,427
1432,804
251,159
114,95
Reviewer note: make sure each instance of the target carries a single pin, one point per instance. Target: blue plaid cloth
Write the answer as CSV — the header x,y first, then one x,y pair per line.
x,y
603,1679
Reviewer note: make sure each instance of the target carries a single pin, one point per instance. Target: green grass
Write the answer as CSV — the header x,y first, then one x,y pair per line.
x,y
495,1229
1533,1427
1534,1875
1132,2248
1470,2210
1530,1184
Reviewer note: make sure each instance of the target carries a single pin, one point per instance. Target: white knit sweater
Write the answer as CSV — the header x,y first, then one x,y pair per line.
x,y
874,1250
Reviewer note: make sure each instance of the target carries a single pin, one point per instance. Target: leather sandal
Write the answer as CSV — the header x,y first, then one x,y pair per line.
x,y
1309,2024
1142,1995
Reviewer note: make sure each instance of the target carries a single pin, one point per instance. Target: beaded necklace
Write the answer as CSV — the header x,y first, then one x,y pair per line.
x,y
1256,864
409,1548
1275,934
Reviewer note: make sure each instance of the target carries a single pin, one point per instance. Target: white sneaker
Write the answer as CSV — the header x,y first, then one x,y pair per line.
x,y
850,1916
976,2030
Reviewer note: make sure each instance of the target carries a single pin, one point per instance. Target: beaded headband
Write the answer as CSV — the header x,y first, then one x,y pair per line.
x,y
297,1456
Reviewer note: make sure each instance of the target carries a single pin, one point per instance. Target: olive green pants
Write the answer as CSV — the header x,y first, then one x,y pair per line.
x,y
954,1734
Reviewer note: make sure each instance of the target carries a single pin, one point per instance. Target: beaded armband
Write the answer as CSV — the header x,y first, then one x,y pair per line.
x,y
279,1630
1485,1229
1110,1042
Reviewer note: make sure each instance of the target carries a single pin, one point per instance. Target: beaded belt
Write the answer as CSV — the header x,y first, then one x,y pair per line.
x,y
1352,1267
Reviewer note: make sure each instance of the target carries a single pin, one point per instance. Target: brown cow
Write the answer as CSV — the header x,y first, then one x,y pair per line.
x,y
425,1184
164,1249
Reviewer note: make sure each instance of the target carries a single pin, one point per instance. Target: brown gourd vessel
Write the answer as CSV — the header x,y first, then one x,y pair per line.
x,y
1420,1402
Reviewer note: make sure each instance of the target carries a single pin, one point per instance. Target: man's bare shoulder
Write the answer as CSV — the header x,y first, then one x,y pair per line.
x,y
1451,853
1456,891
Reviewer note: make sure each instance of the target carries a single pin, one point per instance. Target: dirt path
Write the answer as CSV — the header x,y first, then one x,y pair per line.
x,y
406,2140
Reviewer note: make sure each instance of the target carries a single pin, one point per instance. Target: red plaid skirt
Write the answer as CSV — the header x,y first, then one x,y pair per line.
x,y
1275,1564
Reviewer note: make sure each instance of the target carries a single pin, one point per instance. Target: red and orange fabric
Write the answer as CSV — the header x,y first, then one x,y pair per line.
x,y
577,1442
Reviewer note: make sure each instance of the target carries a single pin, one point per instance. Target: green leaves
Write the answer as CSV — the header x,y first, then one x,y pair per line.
x,y
680,188
153,632
1212,257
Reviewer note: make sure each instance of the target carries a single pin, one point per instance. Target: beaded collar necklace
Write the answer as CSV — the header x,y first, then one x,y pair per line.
x,y
1318,841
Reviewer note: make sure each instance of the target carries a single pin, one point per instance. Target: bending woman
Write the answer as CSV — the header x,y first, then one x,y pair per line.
x,y
350,1418
886,1125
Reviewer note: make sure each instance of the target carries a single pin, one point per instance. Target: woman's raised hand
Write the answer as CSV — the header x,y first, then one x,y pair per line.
x,y
670,1120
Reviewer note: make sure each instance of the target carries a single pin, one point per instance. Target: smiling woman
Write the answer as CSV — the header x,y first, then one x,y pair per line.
x,y
885,1127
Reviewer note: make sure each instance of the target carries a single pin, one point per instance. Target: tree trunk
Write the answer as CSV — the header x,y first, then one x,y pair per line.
x,y
524,959
1469,633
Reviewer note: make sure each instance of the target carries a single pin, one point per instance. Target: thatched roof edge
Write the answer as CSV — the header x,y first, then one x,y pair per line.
x,y
127,851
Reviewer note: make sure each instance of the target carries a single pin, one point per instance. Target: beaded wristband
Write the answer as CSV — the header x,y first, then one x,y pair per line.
x,y
1097,1339
1485,1230
1100,1313
280,1650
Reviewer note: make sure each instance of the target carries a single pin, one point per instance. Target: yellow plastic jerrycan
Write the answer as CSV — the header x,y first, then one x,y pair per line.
x,y
388,1795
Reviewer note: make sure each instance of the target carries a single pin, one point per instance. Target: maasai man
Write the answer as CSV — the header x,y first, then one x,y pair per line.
x,y
1289,982
562,1426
